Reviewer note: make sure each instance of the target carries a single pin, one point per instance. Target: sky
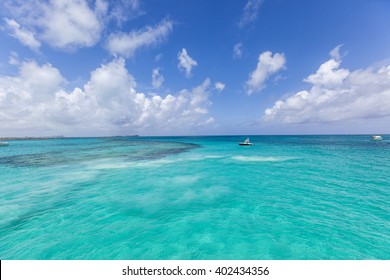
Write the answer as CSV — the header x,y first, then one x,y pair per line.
x,y
194,67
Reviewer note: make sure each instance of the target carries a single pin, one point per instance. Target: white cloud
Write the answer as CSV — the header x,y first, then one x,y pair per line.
x,y
61,24
23,97
125,44
267,65
219,86
123,10
25,36
183,112
250,12
13,59
335,53
158,57
157,78
70,24
207,122
42,81
186,62
329,73
36,102
237,50
337,95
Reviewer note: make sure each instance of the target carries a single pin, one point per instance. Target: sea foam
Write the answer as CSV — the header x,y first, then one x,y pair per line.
x,y
261,159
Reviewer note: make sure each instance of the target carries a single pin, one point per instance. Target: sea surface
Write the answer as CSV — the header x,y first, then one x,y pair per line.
x,y
287,197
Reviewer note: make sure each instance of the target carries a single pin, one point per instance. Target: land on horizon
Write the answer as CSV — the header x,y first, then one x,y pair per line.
x,y
7,138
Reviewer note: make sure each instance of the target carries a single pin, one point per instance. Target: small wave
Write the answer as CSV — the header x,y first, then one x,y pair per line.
x,y
159,162
114,163
153,163
203,157
214,156
261,159
107,164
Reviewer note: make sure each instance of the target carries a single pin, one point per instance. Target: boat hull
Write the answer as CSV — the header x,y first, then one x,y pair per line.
x,y
376,138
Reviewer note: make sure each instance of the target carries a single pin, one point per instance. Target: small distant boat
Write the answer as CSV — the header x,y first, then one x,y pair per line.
x,y
2,144
247,142
376,138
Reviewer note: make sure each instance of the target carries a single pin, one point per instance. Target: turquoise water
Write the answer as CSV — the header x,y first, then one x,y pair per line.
x,y
287,197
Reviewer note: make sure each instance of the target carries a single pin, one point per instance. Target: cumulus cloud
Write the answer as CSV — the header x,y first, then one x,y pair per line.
x,y
23,97
61,24
37,101
267,65
186,62
34,82
329,73
250,12
25,36
237,50
70,24
337,95
125,44
219,86
157,78
67,24
187,110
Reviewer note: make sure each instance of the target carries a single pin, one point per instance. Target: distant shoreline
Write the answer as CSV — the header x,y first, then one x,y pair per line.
x,y
8,138
58,137
30,138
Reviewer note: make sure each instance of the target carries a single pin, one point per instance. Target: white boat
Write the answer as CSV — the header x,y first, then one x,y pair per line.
x,y
247,142
2,144
376,138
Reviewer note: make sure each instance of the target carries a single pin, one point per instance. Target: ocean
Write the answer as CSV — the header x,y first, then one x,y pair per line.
x,y
196,198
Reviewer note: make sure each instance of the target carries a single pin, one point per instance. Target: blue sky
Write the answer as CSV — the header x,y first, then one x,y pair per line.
x,y
99,67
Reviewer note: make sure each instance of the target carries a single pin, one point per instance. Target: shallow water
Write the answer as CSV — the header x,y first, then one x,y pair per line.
x,y
287,197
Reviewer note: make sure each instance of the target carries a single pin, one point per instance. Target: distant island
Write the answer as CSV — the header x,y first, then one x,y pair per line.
x,y
32,137
7,138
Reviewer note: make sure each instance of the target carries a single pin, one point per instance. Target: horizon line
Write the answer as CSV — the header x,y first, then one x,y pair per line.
x,y
194,135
